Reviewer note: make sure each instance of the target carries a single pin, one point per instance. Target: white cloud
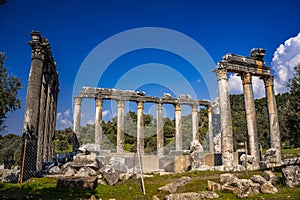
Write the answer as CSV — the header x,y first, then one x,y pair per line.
x,y
236,87
105,113
285,57
64,120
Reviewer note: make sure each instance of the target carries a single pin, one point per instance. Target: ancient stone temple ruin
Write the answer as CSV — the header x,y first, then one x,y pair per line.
x,y
101,94
40,111
246,67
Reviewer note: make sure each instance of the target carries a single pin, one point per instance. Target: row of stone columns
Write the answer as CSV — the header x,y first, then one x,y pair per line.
x,y
226,123
140,125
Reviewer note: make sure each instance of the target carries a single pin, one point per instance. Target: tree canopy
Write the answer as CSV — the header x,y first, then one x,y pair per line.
x,y
9,87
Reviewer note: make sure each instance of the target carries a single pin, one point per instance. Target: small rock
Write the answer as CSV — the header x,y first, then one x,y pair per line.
x,y
55,170
229,189
270,176
154,197
227,179
258,179
85,171
110,175
268,188
93,197
291,176
208,195
212,186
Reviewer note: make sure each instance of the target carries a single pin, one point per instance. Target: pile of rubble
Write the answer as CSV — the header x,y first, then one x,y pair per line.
x,y
107,170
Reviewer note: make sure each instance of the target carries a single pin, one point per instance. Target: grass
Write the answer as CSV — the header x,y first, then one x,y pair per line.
x,y
45,188
289,153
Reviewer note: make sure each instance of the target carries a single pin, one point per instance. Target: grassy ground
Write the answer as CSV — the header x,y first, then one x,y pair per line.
x,y
45,188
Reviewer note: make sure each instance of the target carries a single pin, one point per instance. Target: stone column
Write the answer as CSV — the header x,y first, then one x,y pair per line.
x,y
210,131
140,127
273,118
77,116
98,122
47,128
225,119
120,127
32,109
253,146
159,130
178,133
195,122
42,123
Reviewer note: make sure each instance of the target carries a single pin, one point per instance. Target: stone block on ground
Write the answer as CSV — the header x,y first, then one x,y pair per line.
x,y
228,179
110,175
258,179
173,186
85,160
85,172
291,176
270,176
212,186
89,183
268,188
193,196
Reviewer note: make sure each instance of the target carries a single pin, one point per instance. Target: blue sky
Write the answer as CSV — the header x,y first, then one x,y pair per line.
x,y
76,28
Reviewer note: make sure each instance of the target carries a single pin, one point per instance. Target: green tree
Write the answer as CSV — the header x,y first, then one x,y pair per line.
x,y
9,87
293,114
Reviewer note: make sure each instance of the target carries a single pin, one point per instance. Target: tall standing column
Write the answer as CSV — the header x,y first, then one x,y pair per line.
x,y
225,119
273,117
98,122
178,133
210,131
253,146
159,130
195,121
77,116
120,127
32,109
140,127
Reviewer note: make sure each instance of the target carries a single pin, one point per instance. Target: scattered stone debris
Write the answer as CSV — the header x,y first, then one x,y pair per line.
x,y
192,195
173,186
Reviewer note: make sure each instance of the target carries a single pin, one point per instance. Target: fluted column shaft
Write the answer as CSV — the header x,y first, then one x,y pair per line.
x,y
77,116
159,130
273,117
195,122
225,119
120,127
178,131
98,122
140,127
251,118
210,131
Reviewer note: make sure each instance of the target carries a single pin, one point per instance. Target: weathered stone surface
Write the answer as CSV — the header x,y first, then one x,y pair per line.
x,y
110,175
173,186
77,183
268,188
83,160
270,176
85,172
212,186
89,148
258,179
291,176
9,175
255,188
230,189
193,196
227,179
118,164
55,170
217,143
250,158
197,154
69,171
154,197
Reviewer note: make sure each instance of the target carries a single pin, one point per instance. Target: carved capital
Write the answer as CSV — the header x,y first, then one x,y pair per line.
x,y
140,105
221,74
120,104
99,102
177,107
194,107
158,106
77,100
38,52
269,81
209,109
246,78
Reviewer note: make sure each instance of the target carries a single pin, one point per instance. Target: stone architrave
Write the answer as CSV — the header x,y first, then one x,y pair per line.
x,y
251,118
178,133
140,127
159,131
273,118
98,122
225,119
77,117
120,127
